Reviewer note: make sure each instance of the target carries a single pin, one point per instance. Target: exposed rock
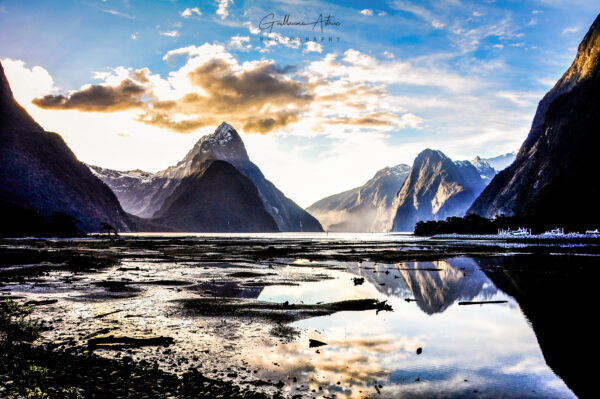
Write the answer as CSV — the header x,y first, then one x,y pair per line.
x,y
363,209
486,172
435,189
144,194
554,174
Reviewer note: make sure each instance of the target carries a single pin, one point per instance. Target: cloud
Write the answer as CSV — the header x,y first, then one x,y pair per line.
x,y
388,54
574,29
529,99
240,42
277,120
274,39
165,121
359,67
312,47
119,14
437,24
170,33
223,9
3,10
27,83
96,98
378,119
418,11
134,36
251,28
189,12
259,96
367,12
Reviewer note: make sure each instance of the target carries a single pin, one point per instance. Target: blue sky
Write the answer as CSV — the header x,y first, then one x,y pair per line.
x,y
398,77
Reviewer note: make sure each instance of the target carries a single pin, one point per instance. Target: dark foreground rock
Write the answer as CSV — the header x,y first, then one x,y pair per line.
x,y
56,372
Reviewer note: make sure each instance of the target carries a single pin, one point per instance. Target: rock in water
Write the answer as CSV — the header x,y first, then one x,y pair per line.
x,y
554,176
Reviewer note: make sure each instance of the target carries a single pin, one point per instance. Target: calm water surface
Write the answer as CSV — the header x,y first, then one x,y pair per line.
x,y
465,350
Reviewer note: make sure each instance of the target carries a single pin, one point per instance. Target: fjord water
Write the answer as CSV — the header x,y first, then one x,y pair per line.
x,y
485,350
527,345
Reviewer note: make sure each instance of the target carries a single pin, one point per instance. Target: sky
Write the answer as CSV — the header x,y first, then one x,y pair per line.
x,y
323,99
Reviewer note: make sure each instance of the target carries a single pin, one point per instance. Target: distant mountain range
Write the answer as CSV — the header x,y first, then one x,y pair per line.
x,y
500,162
398,197
38,172
161,197
363,209
436,188
554,176
215,188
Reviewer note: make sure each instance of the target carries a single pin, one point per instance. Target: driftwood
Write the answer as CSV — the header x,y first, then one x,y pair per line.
x,y
479,302
113,342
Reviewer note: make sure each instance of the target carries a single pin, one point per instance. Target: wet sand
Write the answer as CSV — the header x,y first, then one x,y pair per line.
x,y
248,310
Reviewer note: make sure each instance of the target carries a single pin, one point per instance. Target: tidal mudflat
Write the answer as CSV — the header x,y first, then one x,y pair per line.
x,y
320,316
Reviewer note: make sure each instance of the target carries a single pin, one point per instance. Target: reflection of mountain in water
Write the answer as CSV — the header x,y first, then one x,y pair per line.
x,y
434,290
558,295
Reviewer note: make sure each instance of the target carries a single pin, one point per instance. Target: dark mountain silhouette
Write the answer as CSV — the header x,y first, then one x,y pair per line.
x,y
553,175
215,198
39,173
557,295
143,194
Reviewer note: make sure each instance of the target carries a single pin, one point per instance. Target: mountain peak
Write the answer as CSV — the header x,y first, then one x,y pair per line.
x,y
587,60
12,114
429,153
430,157
224,134
223,144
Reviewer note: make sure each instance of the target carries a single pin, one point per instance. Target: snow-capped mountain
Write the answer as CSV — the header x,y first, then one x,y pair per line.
x,y
501,162
135,189
362,209
144,194
486,171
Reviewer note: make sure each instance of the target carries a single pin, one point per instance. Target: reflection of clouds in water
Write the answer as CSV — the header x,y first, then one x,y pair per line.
x,y
526,365
353,359
459,342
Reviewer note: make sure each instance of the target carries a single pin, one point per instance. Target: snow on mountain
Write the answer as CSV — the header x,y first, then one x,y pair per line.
x,y
486,171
